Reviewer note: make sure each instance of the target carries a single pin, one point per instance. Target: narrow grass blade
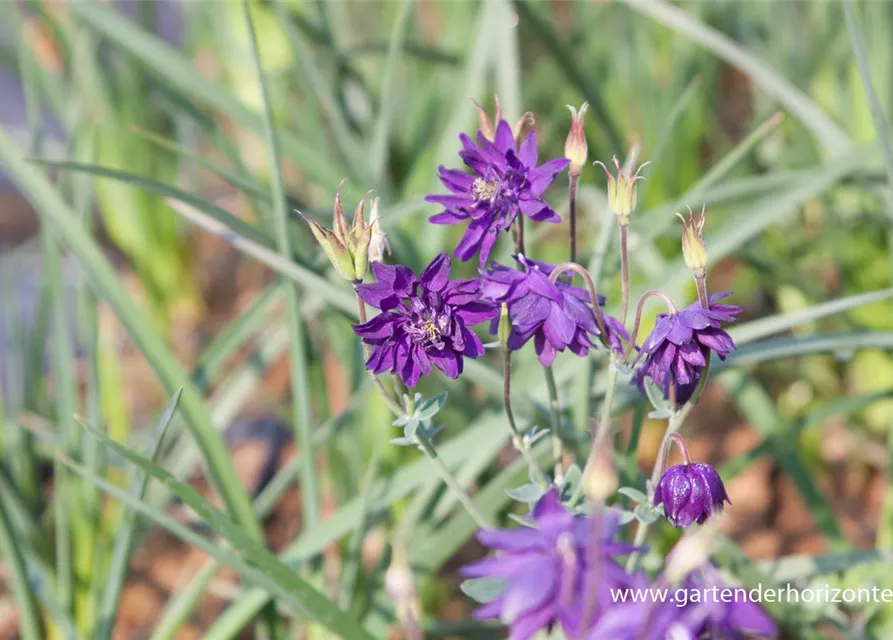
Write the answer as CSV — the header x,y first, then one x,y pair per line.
x,y
236,333
29,619
168,191
302,418
832,137
270,573
179,73
181,603
124,534
757,406
763,327
64,224
567,61
378,151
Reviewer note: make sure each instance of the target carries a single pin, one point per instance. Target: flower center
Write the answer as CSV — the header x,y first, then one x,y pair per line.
x,y
427,328
483,190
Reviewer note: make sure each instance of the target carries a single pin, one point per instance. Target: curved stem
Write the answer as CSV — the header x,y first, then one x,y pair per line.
x,y
701,282
555,425
648,294
590,285
624,273
424,443
675,438
573,181
673,426
518,439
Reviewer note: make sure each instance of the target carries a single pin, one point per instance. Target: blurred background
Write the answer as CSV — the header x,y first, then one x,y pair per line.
x,y
111,298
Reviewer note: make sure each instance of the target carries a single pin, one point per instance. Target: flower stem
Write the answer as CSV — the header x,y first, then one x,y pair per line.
x,y
573,181
556,425
424,443
452,483
675,438
701,282
517,439
673,426
519,234
635,333
590,286
624,273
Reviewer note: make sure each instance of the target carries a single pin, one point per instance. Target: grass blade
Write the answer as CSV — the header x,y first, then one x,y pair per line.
x,y
65,224
29,621
302,420
378,151
832,137
118,565
179,73
270,573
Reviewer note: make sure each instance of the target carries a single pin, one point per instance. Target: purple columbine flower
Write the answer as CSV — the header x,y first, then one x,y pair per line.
x,y
545,569
556,315
424,320
505,180
737,619
690,493
676,352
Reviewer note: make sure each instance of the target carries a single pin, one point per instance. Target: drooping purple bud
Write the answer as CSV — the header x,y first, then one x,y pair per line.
x,y
690,493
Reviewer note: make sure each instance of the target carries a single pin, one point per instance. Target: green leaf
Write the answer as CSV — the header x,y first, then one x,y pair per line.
x,y
633,494
124,534
276,576
429,408
482,590
527,493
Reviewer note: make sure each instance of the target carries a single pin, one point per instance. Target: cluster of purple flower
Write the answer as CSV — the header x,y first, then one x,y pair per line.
x,y
562,572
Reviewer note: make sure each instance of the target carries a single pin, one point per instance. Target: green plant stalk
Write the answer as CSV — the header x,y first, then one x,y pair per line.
x,y
573,182
301,415
673,426
624,273
555,421
451,482
521,444
29,620
604,426
426,446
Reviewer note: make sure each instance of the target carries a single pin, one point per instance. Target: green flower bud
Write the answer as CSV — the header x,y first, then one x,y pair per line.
x,y
575,147
693,250
504,329
622,190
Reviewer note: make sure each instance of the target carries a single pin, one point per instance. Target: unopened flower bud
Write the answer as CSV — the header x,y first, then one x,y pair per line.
x,y
600,479
400,587
690,492
524,126
693,250
622,190
504,330
378,242
488,128
575,148
347,248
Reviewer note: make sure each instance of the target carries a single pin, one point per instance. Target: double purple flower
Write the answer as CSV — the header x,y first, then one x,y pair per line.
x,y
556,315
505,180
677,350
424,321
547,569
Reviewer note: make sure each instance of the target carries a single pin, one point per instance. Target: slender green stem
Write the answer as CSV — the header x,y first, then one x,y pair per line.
x,y
590,286
701,282
452,483
519,235
635,332
573,181
673,426
624,273
555,413
424,443
518,440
